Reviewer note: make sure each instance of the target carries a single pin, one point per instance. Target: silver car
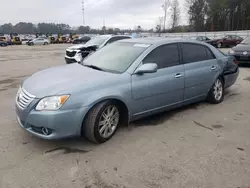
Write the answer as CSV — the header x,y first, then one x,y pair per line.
x,y
38,41
120,83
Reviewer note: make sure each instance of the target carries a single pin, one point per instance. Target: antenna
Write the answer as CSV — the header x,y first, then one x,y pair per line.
x,y
83,15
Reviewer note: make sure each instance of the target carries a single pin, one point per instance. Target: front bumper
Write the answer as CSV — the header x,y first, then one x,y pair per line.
x,y
60,123
242,58
70,60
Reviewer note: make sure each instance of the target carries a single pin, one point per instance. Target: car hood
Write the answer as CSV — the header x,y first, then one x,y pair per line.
x,y
58,79
242,47
80,46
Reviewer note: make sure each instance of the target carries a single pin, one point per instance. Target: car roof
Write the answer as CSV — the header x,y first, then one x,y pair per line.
x,y
161,40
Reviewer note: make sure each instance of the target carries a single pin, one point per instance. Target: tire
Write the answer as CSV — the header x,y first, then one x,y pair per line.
x,y
219,45
217,92
31,44
45,43
94,130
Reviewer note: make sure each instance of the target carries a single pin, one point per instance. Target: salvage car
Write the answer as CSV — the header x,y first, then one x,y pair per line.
x,y
76,53
122,82
226,41
38,41
242,51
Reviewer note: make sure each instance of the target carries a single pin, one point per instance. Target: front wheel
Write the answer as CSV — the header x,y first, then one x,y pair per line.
x,y
46,43
216,93
101,122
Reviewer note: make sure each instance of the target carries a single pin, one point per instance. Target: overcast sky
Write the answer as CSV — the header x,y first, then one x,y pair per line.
x,y
116,13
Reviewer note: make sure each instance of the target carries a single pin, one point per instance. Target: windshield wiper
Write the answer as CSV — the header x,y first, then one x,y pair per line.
x,y
94,67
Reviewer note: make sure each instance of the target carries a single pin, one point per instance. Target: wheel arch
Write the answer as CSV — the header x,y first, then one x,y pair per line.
x,y
121,105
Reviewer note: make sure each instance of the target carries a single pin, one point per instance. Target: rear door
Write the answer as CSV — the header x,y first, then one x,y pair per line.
x,y
201,69
163,88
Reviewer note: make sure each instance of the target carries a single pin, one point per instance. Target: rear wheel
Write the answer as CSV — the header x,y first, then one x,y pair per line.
x,y
101,122
46,43
216,93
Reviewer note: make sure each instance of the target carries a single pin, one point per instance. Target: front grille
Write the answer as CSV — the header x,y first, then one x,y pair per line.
x,y
23,98
70,53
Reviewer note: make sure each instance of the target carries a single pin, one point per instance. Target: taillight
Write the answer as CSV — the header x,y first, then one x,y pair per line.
x,y
236,62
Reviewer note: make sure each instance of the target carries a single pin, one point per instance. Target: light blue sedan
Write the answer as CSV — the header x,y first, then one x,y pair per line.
x,y
120,83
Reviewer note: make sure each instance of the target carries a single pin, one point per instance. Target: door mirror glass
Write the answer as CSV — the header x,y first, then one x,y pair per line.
x,y
147,68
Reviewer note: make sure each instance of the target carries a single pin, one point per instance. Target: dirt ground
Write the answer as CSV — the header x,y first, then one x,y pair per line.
x,y
199,146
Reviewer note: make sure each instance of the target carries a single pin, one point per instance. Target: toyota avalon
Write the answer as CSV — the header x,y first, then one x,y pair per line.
x,y
120,83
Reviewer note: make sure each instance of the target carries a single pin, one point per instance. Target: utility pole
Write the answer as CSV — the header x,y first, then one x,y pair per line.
x,y
83,13
165,7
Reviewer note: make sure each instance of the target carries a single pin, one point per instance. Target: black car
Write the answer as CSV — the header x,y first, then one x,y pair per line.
x,y
241,52
81,40
3,43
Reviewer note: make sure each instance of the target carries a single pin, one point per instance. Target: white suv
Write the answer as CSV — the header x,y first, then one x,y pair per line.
x,y
76,53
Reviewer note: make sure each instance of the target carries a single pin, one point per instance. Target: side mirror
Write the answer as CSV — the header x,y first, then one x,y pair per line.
x,y
147,68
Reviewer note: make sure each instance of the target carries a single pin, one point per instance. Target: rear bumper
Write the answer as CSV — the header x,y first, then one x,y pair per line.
x,y
230,78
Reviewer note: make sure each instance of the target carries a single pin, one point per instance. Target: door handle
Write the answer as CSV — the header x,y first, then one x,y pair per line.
x,y
178,75
213,68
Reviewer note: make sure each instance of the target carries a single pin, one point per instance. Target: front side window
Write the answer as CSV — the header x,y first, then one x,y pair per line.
x,y
194,53
164,56
116,57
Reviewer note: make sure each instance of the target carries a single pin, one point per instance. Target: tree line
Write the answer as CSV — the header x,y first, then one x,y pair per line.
x,y
219,15
53,28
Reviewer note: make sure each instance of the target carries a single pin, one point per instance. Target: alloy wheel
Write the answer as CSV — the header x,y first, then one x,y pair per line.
x,y
108,121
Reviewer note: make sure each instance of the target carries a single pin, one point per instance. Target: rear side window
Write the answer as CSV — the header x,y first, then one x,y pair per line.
x,y
194,52
164,56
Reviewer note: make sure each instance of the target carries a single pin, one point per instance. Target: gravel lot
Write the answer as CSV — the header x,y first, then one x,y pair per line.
x,y
202,145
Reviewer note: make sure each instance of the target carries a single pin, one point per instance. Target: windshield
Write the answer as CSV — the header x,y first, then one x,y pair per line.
x,y
97,40
246,41
116,57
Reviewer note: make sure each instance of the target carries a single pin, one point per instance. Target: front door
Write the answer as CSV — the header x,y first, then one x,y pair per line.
x,y
201,70
155,91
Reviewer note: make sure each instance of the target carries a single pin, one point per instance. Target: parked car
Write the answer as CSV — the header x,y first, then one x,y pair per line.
x,y
242,51
226,41
201,38
3,43
38,41
123,82
77,53
81,40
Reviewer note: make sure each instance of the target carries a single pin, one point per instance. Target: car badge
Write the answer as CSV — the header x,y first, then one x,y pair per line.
x,y
244,53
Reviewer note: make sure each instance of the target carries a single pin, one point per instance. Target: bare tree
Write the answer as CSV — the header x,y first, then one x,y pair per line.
x,y
165,7
175,13
159,24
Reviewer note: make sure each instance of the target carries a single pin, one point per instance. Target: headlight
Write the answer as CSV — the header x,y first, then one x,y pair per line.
x,y
231,51
78,57
51,103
